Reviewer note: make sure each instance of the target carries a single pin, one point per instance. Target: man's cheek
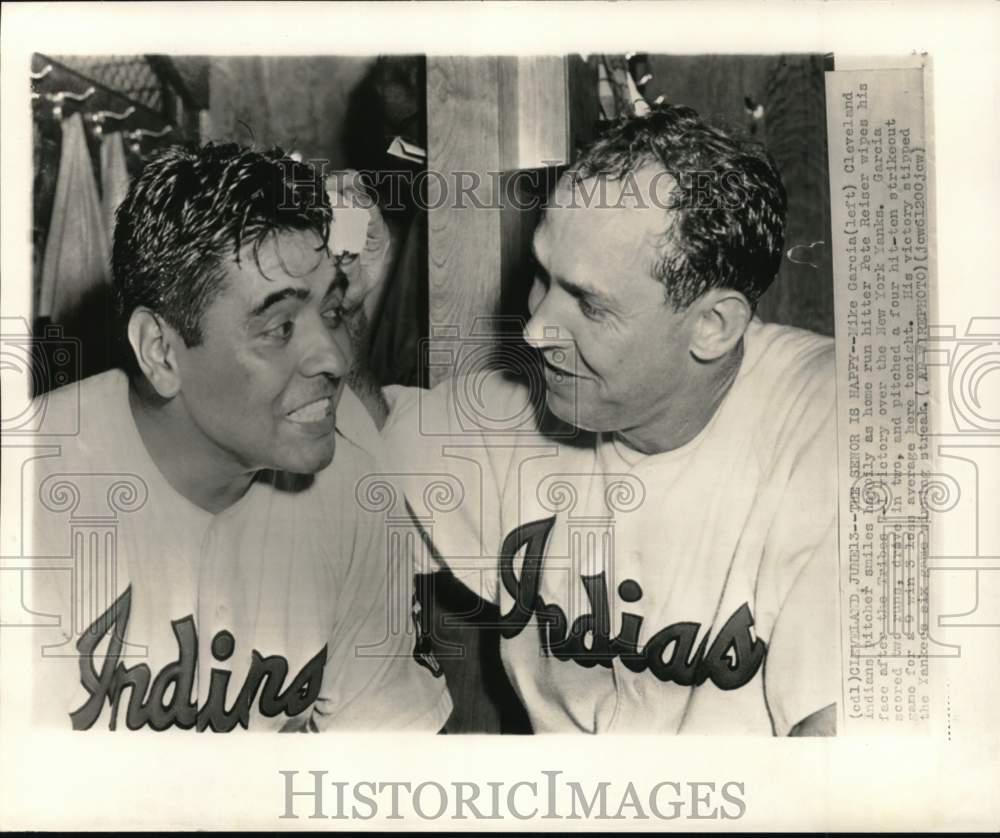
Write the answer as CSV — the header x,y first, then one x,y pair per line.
x,y
535,296
349,343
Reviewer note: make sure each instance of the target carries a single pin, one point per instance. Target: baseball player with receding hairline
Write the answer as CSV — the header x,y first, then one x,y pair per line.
x,y
659,534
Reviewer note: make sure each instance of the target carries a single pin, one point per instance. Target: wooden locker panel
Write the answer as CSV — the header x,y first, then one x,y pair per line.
x,y
793,128
488,118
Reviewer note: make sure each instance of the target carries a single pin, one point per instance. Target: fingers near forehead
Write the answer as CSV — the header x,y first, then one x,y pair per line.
x,y
347,187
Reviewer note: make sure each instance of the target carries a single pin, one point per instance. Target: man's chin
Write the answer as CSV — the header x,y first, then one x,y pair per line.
x,y
562,408
574,414
307,462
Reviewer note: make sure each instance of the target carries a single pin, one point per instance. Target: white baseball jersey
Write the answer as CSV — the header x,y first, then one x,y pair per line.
x,y
691,591
278,613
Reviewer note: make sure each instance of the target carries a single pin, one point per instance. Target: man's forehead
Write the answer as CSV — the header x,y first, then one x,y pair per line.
x,y
293,258
286,254
605,225
284,265
649,187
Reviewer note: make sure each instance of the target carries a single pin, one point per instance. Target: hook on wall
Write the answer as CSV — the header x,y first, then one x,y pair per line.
x,y
99,117
136,137
807,254
57,99
139,133
755,109
755,112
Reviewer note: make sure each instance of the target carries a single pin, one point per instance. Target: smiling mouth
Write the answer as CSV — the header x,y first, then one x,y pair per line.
x,y
313,412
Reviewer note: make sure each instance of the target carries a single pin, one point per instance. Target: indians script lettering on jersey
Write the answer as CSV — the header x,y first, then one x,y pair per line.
x,y
730,662
146,705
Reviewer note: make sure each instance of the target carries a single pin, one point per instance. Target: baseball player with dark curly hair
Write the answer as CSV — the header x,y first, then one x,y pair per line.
x,y
243,586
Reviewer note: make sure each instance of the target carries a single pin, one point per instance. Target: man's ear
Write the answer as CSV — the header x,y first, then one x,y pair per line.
x,y
154,343
721,317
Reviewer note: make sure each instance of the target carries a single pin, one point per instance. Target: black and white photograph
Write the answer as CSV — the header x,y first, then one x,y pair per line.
x,y
669,563
450,402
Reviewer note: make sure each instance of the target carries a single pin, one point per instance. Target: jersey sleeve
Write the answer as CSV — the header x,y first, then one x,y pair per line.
x,y
799,585
372,680
47,593
445,474
54,661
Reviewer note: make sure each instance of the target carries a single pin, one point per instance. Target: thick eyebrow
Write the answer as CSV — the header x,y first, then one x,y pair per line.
x,y
302,294
276,297
591,295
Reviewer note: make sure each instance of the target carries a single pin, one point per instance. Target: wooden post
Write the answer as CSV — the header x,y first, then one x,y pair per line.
x,y
463,243
486,117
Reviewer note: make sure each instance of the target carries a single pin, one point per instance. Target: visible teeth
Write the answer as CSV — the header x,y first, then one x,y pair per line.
x,y
312,412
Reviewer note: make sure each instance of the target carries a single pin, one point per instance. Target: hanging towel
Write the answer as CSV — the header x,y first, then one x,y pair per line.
x,y
76,252
114,179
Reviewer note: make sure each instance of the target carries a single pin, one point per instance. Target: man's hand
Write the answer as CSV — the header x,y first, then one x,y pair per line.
x,y
367,270
366,274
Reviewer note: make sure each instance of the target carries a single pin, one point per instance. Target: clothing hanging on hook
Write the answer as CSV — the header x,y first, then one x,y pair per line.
x,y
114,178
76,258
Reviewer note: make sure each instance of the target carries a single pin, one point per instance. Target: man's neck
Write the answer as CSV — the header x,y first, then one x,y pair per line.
x,y
192,466
683,418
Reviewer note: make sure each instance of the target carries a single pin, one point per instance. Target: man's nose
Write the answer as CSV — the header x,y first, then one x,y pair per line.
x,y
542,329
327,351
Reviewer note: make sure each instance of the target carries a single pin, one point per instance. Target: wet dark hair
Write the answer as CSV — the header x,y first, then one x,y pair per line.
x,y
190,210
728,211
